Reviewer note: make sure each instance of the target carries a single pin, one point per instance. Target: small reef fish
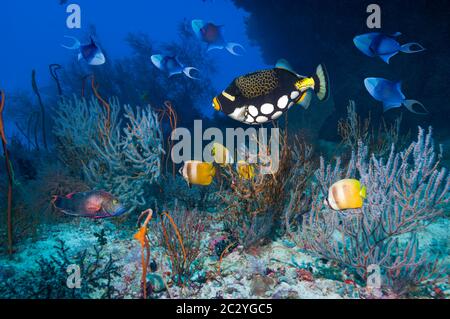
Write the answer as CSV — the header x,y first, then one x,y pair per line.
x,y
171,65
390,94
213,35
245,170
90,52
263,96
384,46
198,173
221,154
346,194
93,204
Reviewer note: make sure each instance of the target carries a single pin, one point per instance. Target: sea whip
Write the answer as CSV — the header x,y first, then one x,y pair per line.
x,y
10,175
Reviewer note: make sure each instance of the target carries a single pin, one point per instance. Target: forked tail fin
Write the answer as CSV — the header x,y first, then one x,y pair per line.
x,y
322,83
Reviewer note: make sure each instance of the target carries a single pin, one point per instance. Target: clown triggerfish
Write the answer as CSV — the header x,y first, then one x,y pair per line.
x,y
265,95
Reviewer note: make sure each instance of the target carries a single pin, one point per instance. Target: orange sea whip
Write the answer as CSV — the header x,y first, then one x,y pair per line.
x,y
102,101
10,176
52,69
166,237
223,254
171,114
36,91
141,236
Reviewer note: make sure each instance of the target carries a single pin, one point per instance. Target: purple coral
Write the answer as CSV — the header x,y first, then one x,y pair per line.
x,y
405,193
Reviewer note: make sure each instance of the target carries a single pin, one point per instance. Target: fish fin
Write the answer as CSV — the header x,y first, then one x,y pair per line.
x,y
232,46
388,106
409,105
196,27
363,192
386,57
398,86
305,99
214,47
75,46
187,72
93,207
156,60
98,59
284,65
70,195
322,83
409,48
56,201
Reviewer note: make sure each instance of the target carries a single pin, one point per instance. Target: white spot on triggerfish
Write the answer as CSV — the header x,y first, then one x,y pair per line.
x,y
283,101
253,110
267,108
249,119
294,95
261,119
276,115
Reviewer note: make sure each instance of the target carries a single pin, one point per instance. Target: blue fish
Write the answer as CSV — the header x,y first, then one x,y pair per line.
x,y
390,94
171,65
384,46
90,52
213,35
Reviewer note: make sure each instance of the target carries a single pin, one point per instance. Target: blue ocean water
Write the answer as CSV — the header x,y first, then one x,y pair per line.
x,y
92,174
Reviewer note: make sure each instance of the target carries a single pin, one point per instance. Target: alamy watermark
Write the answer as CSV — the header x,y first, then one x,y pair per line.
x,y
254,146
74,279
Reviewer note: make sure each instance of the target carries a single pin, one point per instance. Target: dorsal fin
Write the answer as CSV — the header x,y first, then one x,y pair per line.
x,y
285,65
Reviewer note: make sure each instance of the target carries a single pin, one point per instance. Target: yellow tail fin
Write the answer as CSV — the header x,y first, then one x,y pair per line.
x,y
363,192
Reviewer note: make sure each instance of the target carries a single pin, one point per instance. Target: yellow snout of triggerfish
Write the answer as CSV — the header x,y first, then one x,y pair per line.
x,y
346,194
198,173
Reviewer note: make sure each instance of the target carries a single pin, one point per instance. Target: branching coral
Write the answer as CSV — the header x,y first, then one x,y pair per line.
x,y
405,193
76,126
97,271
127,160
353,130
179,234
256,207
122,155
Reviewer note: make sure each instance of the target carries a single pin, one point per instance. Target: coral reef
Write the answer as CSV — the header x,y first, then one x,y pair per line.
x,y
120,156
353,130
407,192
255,207
180,234
50,277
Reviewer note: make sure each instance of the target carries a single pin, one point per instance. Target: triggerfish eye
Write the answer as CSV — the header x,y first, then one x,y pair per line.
x,y
216,104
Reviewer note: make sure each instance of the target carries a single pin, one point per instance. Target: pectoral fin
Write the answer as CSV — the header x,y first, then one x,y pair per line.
x,y
409,105
388,106
386,57
305,99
